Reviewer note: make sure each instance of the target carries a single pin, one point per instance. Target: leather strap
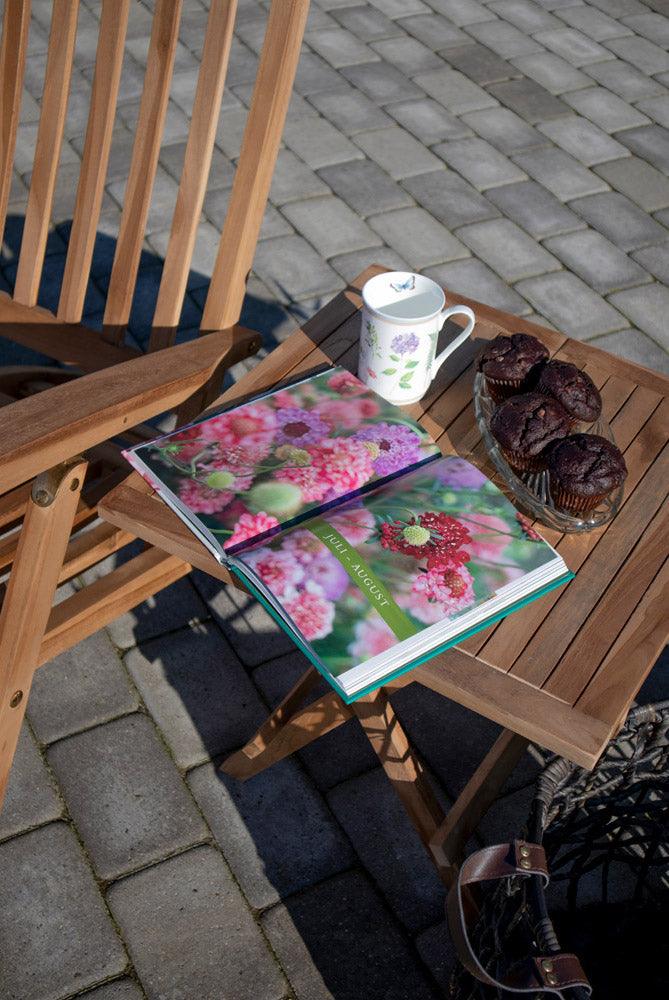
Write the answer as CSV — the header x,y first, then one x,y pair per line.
x,y
549,974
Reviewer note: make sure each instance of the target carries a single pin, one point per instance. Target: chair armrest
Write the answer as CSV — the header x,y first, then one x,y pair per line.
x,y
52,426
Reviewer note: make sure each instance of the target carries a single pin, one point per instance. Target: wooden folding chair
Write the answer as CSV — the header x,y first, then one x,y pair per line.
x,y
56,457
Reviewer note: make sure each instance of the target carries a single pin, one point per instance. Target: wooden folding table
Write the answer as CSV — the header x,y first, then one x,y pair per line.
x,y
563,671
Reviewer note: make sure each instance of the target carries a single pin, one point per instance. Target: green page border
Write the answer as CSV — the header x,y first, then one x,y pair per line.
x,y
332,680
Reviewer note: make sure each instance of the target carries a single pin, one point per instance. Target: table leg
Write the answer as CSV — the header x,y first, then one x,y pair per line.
x,y
288,728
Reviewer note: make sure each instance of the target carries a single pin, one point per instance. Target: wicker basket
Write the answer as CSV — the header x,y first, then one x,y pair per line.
x,y
605,834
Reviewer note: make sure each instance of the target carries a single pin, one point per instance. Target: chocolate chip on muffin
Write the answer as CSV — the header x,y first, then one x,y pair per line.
x,y
525,425
510,364
572,388
583,469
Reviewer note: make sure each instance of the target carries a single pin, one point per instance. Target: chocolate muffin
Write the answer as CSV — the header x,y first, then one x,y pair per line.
x,y
583,469
510,364
572,388
525,426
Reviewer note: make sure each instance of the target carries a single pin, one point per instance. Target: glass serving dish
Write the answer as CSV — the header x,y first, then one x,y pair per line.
x,y
532,489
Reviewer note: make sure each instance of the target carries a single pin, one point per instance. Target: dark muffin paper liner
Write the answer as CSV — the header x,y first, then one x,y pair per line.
x,y
502,388
524,463
572,502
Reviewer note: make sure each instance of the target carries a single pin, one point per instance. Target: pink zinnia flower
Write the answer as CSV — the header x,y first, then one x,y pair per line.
x,y
312,614
346,384
439,594
338,466
253,424
490,535
203,499
372,636
250,525
355,525
277,569
346,414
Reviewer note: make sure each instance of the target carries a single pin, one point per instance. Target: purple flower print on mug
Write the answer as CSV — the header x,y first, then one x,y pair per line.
x,y
405,343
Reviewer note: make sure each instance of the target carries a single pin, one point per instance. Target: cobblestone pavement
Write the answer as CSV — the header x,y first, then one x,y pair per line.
x,y
515,149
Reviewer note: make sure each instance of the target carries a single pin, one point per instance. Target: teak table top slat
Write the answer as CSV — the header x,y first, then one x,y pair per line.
x,y
564,670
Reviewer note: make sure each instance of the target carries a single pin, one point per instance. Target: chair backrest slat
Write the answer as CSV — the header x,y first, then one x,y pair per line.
x,y
260,146
90,189
195,171
47,149
146,149
16,23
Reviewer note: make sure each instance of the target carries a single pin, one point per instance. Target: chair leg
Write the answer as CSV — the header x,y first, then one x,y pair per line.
x,y
29,596
405,771
288,728
449,840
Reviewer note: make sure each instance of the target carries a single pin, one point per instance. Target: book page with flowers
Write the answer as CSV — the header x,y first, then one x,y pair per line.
x,y
370,587
243,474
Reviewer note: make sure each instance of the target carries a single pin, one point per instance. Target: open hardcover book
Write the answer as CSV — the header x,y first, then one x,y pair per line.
x,y
337,510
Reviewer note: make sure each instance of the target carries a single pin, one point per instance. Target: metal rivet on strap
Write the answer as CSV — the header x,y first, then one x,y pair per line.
x,y
524,851
547,965
525,863
16,699
551,979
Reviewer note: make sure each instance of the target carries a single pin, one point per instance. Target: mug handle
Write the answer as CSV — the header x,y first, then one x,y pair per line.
x,y
460,339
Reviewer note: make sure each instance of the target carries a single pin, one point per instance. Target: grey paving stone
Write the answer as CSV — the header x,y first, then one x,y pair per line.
x,y
638,180
177,124
478,63
619,8
560,173
349,110
349,265
507,249
417,237
330,225
397,8
505,130
81,688
503,38
324,939
429,121
449,198
293,179
645,55
605,109
313,74
434,30
574,308
365,187
318,142
647,307
461,12
407,54
120,989
583,140
651,25
197,693
480,163
474,279
454,91
344,752
552,72
292,269
572,45
163,199
656,108
593,23
624,80
383,83
245,817
601,265
535,209
130,807
525,15
397,153
298,106
436,949
31,798
388,846
190,934
656,260
57,936
620,220
529,100
222,171
635,346
650,143
339,47
367,23
253,635
215,208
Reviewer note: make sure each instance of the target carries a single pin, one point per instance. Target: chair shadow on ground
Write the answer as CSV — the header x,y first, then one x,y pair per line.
x,y
318,843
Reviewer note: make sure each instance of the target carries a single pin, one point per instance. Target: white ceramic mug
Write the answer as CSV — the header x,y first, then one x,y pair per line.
x,y
402,316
